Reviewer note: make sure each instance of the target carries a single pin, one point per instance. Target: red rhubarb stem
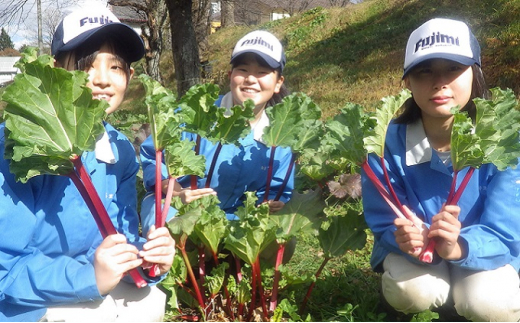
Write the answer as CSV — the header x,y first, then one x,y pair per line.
x,y
193,178
252,305
456,197
261,289
453,199
279,259
382,190
167,202
88,192
158,186
159,219
391,187
286,179
453,186
191,275
269,174
212,166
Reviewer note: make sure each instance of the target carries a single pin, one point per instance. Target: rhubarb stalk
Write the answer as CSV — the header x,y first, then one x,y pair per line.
x,y
269,174
453,199
212,166
279,259
96,207
286,179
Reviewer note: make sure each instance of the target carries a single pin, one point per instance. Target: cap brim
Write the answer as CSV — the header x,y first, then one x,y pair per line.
x,y
131,43
268,59
468,61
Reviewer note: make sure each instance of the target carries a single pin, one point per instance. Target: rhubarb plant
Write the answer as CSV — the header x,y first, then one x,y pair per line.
x,y
51,120
493,138
294,123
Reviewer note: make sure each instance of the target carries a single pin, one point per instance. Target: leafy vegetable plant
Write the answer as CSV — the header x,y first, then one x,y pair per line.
x,y
201,228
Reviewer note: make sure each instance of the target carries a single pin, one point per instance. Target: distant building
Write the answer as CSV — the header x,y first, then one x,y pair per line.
x,y
7,69
130,16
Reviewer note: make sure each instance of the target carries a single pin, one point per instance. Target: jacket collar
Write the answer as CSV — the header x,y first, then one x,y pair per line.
x,y
418,149
104,150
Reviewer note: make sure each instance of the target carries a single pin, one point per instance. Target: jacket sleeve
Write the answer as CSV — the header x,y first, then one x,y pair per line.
x,y
28,277
491,235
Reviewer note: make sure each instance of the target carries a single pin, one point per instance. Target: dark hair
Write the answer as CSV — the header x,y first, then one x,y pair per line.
x,y
84,56
277,97
411,111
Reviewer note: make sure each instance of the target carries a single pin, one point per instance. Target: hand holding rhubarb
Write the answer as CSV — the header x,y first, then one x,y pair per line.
x,y
445,228
159,250
411,234
113,258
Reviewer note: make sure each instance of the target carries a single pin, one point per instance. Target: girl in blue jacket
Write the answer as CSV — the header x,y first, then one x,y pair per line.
x,y
55,265
476,260
257,63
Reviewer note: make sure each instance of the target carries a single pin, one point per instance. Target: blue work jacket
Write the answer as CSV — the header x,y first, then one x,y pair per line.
x,y
49,235
490,204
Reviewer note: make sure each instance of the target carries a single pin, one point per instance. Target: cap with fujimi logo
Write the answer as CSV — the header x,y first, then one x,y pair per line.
x,y
89,24
441,38
265,45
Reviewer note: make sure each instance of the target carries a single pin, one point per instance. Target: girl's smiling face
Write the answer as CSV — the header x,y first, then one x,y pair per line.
x,y
437,85
108,78
250,80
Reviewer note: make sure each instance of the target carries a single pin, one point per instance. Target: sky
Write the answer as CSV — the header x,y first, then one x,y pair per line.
x,y
27,31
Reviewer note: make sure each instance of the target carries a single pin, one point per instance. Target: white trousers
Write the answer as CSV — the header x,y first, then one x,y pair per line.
x,y
126,303
492,295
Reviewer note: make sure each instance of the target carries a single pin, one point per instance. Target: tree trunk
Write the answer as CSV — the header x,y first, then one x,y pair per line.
x,y
153,36
153,31
201,10
184,45
227,13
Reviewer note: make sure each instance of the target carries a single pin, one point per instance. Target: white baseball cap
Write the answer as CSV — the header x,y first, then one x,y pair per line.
x,y
265,45
441,38
87,24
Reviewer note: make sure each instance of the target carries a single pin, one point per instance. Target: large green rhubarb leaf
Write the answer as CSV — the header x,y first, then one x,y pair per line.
x,y
342,233
375,139
201,99
212,225
252,232
166,121
345,133
231,124
217,124
493,138
50,117
293,123
181,159
299,215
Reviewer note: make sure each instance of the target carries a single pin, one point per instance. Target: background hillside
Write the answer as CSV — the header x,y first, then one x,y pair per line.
x,y
356,53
